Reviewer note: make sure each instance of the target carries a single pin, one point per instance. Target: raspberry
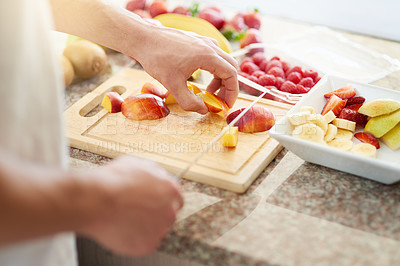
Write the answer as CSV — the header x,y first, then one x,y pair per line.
x,y
317,79
295,69
243,74
267,80
268,96
285,66
275,58
307,82
277,72
258,58
273,63
249,89
301,89
258,73
288,86
294,77
246,59
309,73
249,67
279,81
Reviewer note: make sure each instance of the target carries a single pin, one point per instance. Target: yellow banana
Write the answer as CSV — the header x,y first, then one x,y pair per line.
x,y
364,149
196,25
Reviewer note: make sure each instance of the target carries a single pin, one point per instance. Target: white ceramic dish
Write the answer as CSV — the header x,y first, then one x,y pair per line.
x,y
384,169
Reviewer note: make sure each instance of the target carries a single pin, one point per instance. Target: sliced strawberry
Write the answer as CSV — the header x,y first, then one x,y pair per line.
x,y
367,138
354,107
335,104
355,100
345,92
352,115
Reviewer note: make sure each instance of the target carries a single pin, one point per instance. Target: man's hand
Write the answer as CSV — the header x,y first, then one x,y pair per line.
x,y
139,204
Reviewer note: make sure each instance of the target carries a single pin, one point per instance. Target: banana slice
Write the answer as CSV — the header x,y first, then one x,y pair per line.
x,y
307,108
310,132
341,144
319,120
344,124
344,134
364,149
298,118
329,116
331,132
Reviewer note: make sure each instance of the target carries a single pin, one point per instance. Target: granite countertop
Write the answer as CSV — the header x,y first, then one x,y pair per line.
x,y
295,213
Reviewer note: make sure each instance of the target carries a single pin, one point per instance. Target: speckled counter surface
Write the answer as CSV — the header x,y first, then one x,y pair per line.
x,y
295,213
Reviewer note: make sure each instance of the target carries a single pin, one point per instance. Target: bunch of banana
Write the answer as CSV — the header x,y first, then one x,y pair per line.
x,y
328,130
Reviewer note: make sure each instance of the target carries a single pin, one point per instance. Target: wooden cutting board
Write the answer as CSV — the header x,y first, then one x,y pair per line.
x,y
172,141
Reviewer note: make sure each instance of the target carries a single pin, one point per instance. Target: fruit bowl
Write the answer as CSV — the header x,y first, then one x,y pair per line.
x,y
264,73
385,168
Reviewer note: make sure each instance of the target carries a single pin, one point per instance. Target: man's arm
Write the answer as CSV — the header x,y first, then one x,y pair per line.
x,y
127,205
169,55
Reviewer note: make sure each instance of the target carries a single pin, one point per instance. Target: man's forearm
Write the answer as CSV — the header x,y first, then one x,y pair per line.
x,y
101,22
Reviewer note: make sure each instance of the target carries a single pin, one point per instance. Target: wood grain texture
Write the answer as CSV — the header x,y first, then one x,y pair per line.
x,y
172,141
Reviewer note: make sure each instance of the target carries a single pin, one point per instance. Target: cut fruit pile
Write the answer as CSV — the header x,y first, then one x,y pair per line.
x,y
343,113
152,104
276,74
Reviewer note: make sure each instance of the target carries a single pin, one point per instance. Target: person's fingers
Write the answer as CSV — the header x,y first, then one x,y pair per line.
x,y
214,85
228,75
185,98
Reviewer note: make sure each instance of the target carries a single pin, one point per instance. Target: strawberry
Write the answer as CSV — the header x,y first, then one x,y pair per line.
x,y
277,72
367,138
258,73
335,104
279,81
294,77
354,107
295,69
309,73
252,19
355,100
285,66
345,92
288,86
306,82
273,63
258,58
267,80
352,115
249,67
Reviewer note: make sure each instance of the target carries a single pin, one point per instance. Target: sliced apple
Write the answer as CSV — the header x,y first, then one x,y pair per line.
x,y
170,99
212,101
379,107
256,119
150,88
230,138
392,138
144,107
112,102
380,125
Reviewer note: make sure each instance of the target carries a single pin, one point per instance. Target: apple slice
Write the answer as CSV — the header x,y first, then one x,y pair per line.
x,y
170,99
379,107
256,119
380,125
144,107
212,101
392,138
150,88
230,138
112,102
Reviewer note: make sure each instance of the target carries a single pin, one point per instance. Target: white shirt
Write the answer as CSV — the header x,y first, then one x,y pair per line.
x,y
31,113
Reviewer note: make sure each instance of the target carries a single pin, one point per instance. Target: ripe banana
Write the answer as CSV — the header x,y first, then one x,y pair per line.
x,y
329,116
319,120
196,25
364,149
310,132
307,108
299,118
341,144
330,133
344,124
344,134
